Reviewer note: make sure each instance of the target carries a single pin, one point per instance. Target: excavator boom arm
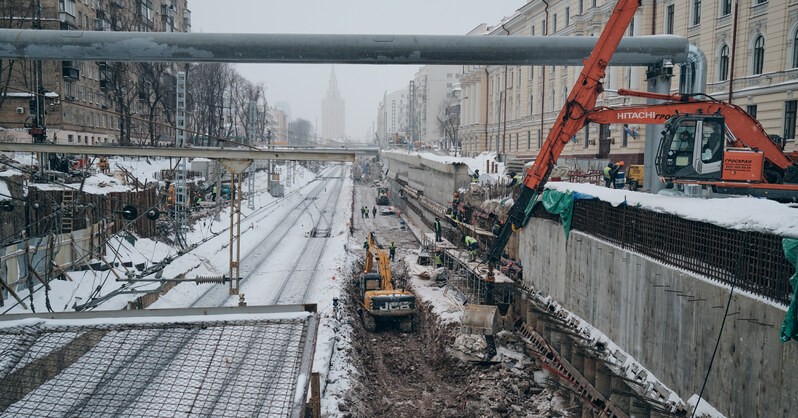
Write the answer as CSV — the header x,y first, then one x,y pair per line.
x,y
571,119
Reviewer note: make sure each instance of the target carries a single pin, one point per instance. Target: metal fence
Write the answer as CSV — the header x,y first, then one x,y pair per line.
x,y
752,261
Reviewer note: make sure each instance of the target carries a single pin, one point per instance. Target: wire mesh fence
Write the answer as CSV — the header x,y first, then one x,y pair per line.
x,y
752,261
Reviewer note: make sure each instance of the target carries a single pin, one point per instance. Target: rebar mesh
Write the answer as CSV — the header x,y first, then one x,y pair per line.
x,y
208,368
752,261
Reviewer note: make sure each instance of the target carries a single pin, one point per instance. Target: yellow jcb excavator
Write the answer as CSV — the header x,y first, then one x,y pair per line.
x,y
377,295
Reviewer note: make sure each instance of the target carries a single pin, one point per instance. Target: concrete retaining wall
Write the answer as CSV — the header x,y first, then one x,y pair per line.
x,y
669,320
437,180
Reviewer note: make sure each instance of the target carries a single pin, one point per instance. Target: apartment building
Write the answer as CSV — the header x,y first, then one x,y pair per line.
x,y
510,109
91,102
433,86
392,118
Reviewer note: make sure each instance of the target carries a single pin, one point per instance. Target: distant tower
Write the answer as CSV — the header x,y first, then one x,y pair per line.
x,y
333,112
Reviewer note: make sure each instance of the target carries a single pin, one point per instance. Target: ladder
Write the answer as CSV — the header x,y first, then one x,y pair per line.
x,y
67,198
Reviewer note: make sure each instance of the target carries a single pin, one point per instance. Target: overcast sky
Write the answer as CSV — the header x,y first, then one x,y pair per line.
x,y
362,86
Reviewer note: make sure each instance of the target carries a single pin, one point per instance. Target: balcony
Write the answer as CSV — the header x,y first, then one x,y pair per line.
x,y
70,70
66,17
102,25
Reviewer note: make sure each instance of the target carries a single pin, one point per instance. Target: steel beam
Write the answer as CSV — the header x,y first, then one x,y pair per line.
x,y
347,49
316,154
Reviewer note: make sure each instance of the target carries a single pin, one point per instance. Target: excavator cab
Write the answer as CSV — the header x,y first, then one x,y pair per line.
x,y
692,147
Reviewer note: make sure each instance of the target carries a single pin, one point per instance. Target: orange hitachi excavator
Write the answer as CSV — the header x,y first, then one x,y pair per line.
x,y
712,143
705,141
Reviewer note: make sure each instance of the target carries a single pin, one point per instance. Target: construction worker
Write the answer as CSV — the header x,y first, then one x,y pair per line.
x,y
606,173
437,227
215,191
391,251
609,173
472,245
438,260
366,211
374,212
475,176
614,174
366,244
362,212
515,179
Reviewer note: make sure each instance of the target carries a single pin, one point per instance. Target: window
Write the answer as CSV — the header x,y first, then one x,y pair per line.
x,y
543,27
593,3
540,138
625,135
751,110
790,109
758,55
567,16
696,12
795,49
528,139
531,104
554,22
723,70
70,138
581,6
632,27
725,7
669,19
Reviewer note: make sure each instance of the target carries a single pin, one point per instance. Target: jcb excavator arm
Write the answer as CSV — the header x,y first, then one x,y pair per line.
x,y
748,132
571,119
383,262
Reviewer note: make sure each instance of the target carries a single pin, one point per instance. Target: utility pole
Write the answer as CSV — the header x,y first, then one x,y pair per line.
x,y
38,128
180,142
251,138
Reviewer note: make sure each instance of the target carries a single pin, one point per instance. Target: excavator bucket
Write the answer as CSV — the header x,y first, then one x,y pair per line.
x,y
480,319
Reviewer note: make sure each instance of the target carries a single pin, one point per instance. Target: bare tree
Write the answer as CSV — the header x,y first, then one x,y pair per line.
x,y
207,86
14,14
299,132
449,121
155,86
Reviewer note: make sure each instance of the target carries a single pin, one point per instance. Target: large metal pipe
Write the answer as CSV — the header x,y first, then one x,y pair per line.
x,y
349,49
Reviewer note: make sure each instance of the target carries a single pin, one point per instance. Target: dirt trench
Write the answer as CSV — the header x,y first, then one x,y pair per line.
x,y
413,375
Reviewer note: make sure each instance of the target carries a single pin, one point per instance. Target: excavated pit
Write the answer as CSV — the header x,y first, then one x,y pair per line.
x,y
413,374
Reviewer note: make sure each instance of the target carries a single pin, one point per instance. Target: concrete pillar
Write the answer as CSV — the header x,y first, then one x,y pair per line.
x,y
659,81
578,361
566,350
603,381
589,369
531,318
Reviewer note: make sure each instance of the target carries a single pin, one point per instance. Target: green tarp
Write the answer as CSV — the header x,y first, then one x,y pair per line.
x,y
556,203
789,329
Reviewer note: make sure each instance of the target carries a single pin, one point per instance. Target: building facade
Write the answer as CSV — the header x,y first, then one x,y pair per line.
x,y
91,102
333,112
432,91
392,119
509,109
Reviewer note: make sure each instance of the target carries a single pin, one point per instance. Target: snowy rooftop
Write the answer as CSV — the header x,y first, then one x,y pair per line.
x,y
189,362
